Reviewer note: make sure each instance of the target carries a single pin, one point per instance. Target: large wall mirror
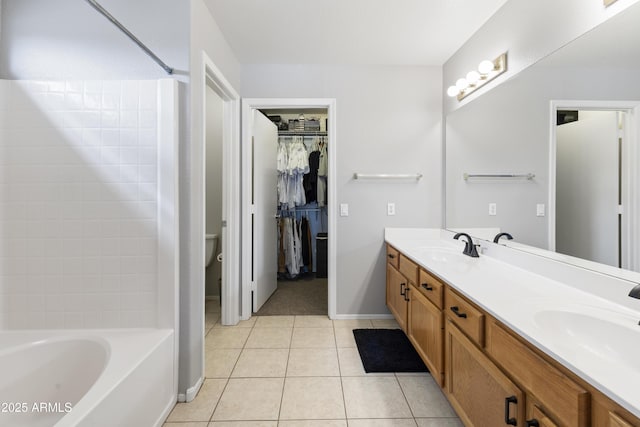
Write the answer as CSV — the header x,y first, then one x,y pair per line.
x,y
583,199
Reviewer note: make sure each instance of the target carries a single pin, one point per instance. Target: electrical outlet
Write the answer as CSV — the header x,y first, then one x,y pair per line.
x,y
540,209
391,208
493,208
344,209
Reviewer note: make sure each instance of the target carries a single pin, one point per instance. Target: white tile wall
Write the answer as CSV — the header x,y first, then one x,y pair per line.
x,y
78,202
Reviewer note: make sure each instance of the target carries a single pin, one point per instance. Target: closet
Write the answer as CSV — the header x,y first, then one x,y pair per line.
x,y
302,221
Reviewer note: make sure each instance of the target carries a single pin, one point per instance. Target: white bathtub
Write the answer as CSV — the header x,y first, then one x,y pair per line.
x,y
86,378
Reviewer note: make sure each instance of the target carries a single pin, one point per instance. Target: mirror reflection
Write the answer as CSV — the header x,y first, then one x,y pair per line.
x,y
583,198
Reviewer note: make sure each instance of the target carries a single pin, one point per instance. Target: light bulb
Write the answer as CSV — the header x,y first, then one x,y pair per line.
x,y
462,84
473,77
486,67
453,91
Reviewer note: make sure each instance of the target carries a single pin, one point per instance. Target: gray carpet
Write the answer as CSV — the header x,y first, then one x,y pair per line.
x,y
306,296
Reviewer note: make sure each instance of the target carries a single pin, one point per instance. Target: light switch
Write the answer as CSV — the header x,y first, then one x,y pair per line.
x,y
344,209
540,209
493,208
391,208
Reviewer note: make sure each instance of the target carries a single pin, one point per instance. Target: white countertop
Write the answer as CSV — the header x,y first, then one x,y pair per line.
x,y
584,320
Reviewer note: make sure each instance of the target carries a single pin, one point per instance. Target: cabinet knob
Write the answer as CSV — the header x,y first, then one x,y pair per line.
x,y
456,311
427,287
392,256
507,403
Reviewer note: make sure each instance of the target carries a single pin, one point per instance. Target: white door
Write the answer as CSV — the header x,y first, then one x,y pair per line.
x,y
587,187
265,268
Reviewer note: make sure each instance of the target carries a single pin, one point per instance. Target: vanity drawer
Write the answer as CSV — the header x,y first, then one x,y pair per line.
x,y
561,398
468,318
431,288
409,269
392,256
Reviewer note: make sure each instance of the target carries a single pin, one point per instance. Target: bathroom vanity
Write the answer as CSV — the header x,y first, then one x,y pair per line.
x,y
515,339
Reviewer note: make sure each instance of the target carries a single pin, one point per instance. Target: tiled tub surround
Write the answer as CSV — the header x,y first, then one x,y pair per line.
x,y
516,287
78,204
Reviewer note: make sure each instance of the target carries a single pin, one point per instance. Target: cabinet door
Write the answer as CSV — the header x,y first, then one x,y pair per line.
x,y
397,287
425,330
616,421
479,392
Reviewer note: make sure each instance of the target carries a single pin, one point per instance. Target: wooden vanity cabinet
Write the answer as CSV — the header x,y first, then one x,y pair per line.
x,y
490,374
396,297
478,390
425,331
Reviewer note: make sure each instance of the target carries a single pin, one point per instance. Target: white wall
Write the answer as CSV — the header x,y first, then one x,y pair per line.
x,y
528,31
205,36
78,216
388,121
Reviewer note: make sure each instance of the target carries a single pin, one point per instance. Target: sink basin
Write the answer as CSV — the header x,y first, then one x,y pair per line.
x,y
585,335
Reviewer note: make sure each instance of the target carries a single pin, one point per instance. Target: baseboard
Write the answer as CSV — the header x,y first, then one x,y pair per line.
x,y
191,392
363,316
212,297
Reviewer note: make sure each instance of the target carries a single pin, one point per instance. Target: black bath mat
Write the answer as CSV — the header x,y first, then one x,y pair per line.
x,y
387,350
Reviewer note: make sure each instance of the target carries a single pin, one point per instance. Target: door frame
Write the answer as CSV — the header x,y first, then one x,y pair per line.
x,y
230,239
631,161
249,104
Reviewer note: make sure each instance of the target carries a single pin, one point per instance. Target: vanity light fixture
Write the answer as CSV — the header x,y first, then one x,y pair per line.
x,y
487,71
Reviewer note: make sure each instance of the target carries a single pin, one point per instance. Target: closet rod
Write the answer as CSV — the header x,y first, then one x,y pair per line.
x,y
128,33
302,133
301,210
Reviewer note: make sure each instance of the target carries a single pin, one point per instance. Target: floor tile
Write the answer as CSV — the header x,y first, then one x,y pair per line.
x,y
344,337
313,338
385,324
439,422
227,337
352,323
243,424
186,424
312,322
219,362
249,399
274,321
241,324
312,399
200,408
261,362
210,319
397,422
313,423
212,305
313,362
374,397
269,338
425,397
351,364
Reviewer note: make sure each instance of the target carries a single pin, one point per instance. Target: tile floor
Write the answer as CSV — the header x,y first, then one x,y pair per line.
x,y
303,371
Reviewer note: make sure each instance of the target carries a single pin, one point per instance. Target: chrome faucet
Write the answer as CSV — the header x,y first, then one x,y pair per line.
x,y
635,292
499,235
469,247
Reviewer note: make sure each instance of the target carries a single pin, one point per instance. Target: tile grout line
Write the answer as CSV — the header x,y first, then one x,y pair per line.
x,y
284,380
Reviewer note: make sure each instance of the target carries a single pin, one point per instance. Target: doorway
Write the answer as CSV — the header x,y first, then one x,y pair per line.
x,y
592,183
312,223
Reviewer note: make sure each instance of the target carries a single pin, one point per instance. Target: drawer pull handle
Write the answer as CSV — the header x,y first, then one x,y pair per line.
x,y
427,287
507,402
533,423
456,311
392,256
406,294
403,291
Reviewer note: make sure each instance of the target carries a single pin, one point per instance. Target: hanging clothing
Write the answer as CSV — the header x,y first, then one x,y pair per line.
x,y
322,176
310,181
292,165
